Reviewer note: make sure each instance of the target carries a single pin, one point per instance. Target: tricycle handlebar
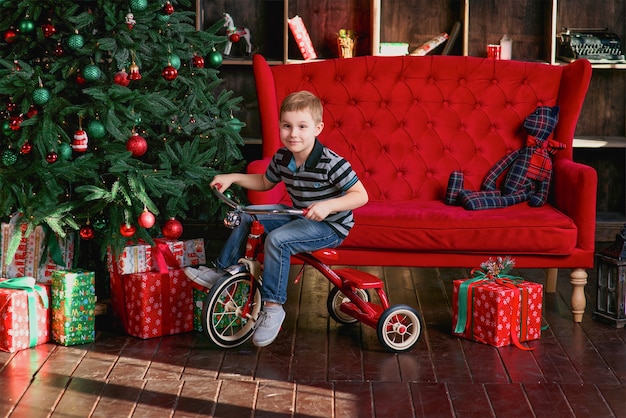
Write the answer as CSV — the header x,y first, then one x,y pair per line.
x,y
257,210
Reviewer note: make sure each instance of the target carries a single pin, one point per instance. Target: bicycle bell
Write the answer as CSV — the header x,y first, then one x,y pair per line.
x,y
232,219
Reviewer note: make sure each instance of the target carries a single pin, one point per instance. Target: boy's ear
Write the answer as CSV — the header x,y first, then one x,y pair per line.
x,y
319,128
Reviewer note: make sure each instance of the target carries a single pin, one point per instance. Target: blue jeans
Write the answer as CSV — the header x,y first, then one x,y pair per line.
x,y
286,235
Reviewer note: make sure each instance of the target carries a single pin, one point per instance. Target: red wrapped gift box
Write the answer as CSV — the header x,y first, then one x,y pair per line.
x,y
24,314
27,260
498,311
139,258
157,304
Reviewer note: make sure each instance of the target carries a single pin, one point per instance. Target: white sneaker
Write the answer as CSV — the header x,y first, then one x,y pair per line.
x,y
270,320
204,276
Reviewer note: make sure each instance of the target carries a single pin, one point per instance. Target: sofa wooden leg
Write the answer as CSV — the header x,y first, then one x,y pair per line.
x,y
578,279
551,275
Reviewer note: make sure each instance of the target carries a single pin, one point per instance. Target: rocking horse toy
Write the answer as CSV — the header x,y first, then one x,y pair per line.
x,y
234,34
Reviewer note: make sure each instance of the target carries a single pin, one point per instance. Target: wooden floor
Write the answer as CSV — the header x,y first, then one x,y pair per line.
x,y
319,369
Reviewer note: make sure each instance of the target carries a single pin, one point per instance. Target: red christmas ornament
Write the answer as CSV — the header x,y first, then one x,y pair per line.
x,y
121,78
48,29
197,61
137,145
127,230
134,72
168,9
14,122
58,50
26,148
80,80
172,229
10,36
52,157
169,73
79,143
32,111
146,219
11,105
87,232
234,37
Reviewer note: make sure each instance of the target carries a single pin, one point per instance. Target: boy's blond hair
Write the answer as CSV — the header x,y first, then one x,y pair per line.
x,y
303,101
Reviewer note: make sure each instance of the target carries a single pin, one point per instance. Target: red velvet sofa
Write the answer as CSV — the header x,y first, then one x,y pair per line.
x,y
405,123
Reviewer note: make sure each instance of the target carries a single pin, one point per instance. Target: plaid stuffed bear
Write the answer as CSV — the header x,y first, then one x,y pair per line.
x,y
529,170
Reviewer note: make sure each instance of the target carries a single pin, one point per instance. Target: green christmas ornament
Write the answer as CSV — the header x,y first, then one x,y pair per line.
x,y
138,5
162,17
96,129
75,41
236,124
6,128
9,157
41,96
65,151
215,59
99,224
27,25
174,61
91,72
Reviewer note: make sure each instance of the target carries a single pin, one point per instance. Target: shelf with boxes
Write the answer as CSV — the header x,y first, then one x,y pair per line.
x,y
533,27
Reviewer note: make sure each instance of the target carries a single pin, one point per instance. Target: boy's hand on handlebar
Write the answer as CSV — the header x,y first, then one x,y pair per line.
x,y
317,211
220,182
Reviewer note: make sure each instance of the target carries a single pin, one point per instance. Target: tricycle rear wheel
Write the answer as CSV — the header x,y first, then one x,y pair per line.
x,y
336,298
399,328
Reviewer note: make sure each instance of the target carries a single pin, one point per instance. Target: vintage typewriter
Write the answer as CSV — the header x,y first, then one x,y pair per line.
x,y
596,45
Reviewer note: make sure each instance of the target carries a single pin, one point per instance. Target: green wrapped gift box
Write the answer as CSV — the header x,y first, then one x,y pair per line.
x,y
73,307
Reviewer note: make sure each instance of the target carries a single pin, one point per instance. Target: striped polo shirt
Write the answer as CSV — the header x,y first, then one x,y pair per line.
x,y
324,175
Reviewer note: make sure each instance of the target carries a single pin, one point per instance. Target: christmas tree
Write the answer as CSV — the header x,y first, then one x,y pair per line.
x,y
113,124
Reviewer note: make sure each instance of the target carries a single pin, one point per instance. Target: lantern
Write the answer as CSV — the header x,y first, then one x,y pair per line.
x,y
611,291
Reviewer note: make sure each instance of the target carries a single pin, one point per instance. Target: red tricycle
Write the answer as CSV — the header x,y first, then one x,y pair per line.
x,y
231,307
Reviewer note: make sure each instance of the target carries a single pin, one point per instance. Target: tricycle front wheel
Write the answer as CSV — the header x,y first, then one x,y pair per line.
x,y
226,319
399,328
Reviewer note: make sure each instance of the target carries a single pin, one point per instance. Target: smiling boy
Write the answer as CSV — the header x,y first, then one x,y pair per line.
x,y
317,179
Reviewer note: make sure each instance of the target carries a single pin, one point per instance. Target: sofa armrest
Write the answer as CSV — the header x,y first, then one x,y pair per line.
x,y
276,195
574,194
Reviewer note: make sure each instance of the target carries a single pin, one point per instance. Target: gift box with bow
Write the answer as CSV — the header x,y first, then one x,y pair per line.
x,y
24,314
495,308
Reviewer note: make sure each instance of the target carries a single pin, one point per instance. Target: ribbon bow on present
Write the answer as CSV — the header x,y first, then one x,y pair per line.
x,y
32,289
540,164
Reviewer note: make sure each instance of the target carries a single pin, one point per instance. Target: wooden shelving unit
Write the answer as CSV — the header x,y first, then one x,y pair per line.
x,y
532,24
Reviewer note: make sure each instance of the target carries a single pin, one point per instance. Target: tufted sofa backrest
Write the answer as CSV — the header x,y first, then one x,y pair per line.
x,y
405,123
